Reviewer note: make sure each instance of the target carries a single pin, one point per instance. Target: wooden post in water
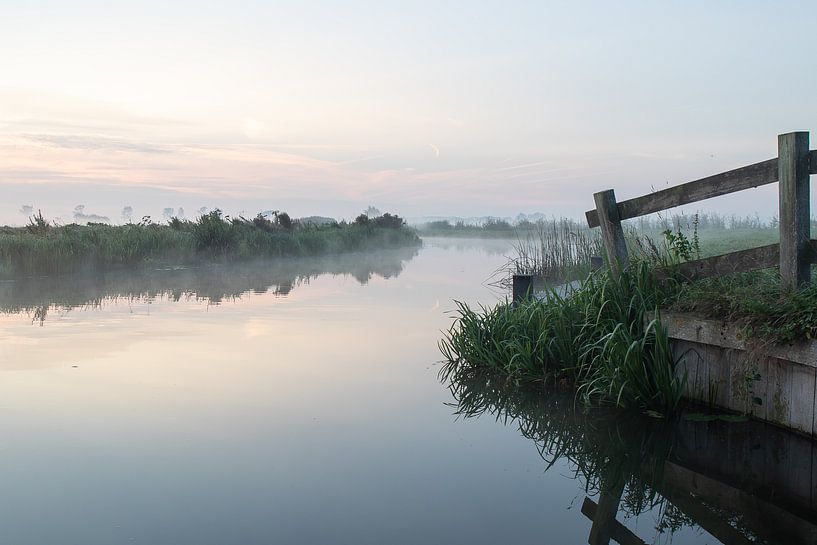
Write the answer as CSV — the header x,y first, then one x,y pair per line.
x,y
522,287
795,211
611,232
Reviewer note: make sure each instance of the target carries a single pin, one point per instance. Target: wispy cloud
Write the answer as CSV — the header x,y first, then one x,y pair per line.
x,y
95,142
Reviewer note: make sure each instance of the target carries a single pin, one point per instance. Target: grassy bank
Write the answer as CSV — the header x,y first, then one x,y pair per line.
x,y
43,248
596,338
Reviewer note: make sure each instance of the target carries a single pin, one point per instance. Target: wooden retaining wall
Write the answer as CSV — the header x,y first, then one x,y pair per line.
x,y
777,384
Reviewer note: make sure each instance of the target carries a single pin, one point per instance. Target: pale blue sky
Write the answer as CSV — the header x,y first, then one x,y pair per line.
x,y
458,108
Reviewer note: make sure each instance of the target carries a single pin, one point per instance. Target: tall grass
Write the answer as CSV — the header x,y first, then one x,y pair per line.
x,y
596,337
556,249
560,249
41,248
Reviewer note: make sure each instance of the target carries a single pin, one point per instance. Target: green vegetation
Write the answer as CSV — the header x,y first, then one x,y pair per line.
x,y
556,249
755,302
594,337
560,249
42,248
605,338
494,228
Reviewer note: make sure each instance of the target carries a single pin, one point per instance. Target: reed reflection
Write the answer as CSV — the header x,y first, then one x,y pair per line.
x,y
740,481
213,283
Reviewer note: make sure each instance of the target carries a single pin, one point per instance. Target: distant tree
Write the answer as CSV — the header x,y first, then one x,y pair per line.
x,y
371,212
261,222
497,225
26,209
283,219
388,221
362,219
180,213
127,214
167,214
80,216
442,225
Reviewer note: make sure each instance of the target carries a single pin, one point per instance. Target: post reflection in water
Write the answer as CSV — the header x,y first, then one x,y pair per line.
x,y
740,481
213,283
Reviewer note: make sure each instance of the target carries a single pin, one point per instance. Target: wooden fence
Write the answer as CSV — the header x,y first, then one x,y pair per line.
x,y
795,252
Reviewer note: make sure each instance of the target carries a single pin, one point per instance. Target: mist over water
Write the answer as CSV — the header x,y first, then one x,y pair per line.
x,y
211,283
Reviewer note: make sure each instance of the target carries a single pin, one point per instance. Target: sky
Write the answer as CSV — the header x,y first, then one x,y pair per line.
x,y
419,108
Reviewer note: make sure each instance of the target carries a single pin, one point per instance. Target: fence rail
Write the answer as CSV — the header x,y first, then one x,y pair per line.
x,y
747,177
791,169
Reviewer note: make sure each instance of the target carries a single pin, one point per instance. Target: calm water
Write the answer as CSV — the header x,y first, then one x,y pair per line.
x,y
298,402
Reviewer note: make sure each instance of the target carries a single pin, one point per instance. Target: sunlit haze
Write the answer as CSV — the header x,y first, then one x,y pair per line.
x,y
422,108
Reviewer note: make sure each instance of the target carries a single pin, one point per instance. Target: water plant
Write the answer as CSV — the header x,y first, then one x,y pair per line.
x,y
604,338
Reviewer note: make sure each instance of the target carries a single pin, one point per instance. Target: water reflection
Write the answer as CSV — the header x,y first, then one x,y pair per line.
x,y
739,482
487,246
213,283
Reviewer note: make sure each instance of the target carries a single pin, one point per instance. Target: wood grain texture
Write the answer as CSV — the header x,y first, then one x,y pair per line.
x,y
686,327
761,257
795,209
612,233
724,183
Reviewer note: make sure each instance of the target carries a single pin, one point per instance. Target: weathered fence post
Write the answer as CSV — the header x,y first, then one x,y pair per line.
x,y
611,232
795,213
522,287
596,262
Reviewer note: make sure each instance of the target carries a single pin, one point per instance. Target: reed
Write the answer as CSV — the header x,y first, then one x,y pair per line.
x,y
42,248
593,337
557,249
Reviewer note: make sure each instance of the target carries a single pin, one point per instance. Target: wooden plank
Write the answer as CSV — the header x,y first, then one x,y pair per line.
x,y
761,257
724,183
618,533
611,232
689,360
758,385
686,327
802,397
812,166
778,392
795,209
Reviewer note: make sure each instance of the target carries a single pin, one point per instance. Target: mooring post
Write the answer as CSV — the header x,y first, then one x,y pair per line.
x,y
611,231
596,262
795,211
522,287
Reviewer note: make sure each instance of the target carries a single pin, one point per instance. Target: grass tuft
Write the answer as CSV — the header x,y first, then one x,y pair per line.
x,y
593,337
